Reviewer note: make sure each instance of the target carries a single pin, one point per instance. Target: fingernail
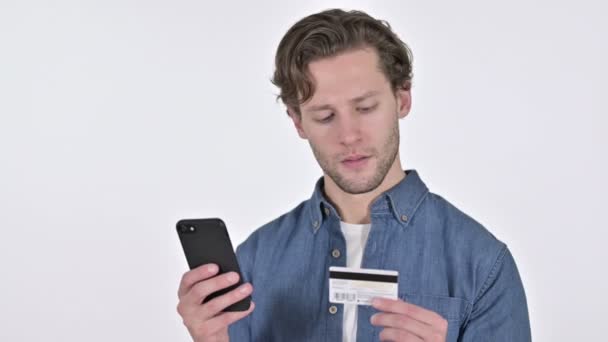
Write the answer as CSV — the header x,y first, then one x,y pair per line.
x,y
232,277
244,289
212,268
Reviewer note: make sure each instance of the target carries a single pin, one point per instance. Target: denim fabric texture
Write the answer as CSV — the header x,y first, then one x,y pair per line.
x,y
447,263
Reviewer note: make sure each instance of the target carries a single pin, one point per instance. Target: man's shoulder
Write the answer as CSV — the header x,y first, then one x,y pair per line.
x,y
285,225
465,242
458,229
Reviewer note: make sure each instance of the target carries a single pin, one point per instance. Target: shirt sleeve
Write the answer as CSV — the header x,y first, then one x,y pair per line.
x,y
500,311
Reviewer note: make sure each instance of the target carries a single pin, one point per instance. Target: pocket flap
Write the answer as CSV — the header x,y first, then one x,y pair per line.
x,y
450,308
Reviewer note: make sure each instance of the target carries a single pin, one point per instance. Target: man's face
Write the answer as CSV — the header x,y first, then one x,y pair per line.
x,y
351,122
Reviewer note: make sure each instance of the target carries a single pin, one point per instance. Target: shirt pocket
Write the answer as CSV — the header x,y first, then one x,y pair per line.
x,y
453,309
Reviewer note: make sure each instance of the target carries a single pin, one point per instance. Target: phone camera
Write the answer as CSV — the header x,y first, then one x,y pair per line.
x,y
186,229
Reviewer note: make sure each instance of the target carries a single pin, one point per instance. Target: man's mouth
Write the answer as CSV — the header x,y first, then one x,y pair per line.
x,y
354,157
355,161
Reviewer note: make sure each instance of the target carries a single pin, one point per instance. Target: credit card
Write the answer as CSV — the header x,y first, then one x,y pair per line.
x,y
360,285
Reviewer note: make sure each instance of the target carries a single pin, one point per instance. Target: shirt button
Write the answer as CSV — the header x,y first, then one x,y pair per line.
x,y
335,253
315,224
403,218
333,309
327,212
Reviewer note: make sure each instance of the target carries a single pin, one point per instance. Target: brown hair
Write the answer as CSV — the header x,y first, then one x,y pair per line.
x,y
329,33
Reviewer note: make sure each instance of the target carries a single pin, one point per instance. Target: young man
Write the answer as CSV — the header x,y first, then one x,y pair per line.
x,y
345,78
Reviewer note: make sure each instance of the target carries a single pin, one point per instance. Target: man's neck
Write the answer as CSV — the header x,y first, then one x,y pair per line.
x,y
356,208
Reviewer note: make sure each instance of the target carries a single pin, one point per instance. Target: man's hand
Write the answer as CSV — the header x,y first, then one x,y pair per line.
x,y
407,322
206,322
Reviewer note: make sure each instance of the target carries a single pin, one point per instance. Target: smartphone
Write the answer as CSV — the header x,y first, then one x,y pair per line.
x,y
206,241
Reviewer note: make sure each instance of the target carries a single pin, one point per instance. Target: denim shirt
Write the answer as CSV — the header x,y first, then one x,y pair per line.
x,y
447,263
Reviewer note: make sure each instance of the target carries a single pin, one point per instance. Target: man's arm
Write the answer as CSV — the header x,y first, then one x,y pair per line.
x,y
500,311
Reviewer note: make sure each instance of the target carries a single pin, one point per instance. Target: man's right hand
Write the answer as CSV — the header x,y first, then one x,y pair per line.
x,y
206,322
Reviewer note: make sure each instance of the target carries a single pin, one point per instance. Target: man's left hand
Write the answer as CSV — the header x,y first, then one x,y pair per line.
x,y
407,322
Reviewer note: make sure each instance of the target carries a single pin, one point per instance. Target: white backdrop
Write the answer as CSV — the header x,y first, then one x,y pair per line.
x,y
117,118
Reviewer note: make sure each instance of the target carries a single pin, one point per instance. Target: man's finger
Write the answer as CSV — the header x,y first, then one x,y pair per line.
x,y
400,321
217,304
201,290
194,276
400,307
225,319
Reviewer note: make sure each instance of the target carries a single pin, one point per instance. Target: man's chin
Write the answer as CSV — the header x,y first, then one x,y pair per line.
x,y
357,189
356,184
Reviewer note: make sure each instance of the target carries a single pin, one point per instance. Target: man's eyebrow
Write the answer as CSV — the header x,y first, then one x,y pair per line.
x,y
364,96
354,100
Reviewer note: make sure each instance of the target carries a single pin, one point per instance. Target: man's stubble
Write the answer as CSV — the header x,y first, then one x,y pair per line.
x,y
385,159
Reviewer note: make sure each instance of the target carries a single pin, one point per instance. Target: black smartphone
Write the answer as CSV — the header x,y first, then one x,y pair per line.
x,y
206,241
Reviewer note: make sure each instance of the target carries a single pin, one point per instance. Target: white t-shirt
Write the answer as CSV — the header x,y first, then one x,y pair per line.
x,y
356,237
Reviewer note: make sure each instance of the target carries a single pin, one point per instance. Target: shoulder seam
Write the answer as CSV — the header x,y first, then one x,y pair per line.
x,y
492,273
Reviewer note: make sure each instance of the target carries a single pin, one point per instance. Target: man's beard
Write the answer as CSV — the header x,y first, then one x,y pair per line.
x,y
385,159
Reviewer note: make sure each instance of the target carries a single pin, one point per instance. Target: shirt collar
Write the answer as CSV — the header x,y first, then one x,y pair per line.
x,y
402,200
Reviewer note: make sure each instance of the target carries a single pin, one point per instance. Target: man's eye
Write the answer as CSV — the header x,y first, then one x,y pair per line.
x,y
326,119
366,109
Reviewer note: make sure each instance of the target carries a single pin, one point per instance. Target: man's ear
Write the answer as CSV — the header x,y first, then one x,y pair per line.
x,y
297,121
404,101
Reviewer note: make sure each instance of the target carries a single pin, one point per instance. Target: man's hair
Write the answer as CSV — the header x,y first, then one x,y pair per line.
x,y
330,33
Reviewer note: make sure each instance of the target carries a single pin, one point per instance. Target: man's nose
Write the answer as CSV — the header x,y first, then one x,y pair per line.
x,y
349,129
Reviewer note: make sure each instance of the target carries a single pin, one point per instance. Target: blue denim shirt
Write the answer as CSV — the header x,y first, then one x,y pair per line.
x,y
447,263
